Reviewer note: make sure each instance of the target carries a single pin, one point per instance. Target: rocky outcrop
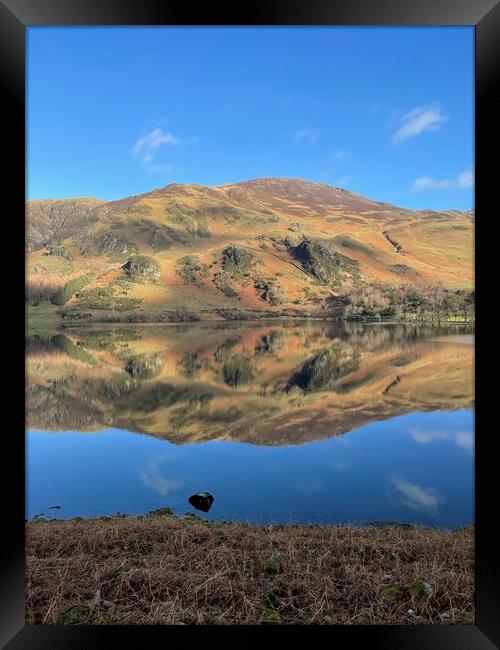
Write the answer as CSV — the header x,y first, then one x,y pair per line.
x,y
393,242
320,259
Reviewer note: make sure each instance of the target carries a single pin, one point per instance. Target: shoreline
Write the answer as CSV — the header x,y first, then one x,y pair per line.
x,y
167,569
61,324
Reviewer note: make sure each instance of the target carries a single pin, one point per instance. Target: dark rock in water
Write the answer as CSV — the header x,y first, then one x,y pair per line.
x,y
55,508
201,501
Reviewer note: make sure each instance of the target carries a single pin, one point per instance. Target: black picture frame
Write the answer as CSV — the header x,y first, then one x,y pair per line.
x,y
15,17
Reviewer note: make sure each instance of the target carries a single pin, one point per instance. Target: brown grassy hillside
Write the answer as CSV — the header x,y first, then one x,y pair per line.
x,y
265,244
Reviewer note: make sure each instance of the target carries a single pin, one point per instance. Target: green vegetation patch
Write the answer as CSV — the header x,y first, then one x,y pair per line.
x,y
270,291
40,318
401,268
224,281
160,512
191,270
62,296
353,244
106,298
389,593
74,351
108,340
192,220
144,269
179,315
421,588
76,615
237,264
237,261
271,616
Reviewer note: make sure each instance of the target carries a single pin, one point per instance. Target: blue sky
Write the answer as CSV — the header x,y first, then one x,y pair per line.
x,y
385,112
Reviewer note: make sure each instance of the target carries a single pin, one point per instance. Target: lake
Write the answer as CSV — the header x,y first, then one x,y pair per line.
x,y
290,422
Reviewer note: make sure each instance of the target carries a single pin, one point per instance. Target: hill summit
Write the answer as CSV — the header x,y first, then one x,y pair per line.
x,y
270,245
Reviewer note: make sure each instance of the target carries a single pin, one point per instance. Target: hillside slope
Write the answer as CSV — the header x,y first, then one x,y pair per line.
x,y
266,244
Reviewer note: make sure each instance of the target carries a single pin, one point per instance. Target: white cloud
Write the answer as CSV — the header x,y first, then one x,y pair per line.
x,y
464,180
463,439
306,135
145,148
151,476
416,497
418,120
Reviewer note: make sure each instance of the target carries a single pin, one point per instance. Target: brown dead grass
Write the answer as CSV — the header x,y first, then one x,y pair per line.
x,y
175,570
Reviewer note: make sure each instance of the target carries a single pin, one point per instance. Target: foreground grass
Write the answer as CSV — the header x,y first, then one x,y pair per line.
x,y
185,570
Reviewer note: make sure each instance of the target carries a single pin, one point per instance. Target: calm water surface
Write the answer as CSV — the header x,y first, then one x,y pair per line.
x,y
303,422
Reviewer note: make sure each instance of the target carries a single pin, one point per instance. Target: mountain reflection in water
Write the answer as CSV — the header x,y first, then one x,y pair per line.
x,y
266,384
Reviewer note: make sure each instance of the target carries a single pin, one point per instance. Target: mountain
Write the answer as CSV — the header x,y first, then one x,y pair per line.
x,y
269,244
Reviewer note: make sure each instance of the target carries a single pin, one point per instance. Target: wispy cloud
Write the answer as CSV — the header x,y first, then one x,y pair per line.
x,y
463,439
340,154
306,135
418,120
464,180
151,476
145,148
417,497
